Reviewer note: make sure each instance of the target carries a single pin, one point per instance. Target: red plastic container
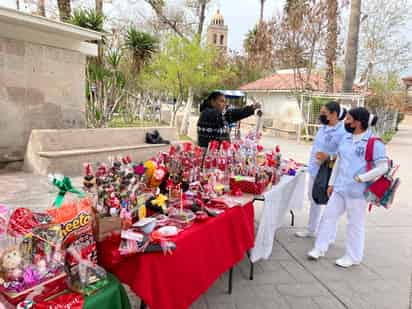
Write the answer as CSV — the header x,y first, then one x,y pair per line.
x,y
248,186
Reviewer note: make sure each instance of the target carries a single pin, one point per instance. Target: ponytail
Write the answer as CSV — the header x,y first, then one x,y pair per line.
x,y
334,106
362,115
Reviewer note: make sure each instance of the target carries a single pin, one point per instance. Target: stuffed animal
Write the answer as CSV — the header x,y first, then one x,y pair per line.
x,y
11,264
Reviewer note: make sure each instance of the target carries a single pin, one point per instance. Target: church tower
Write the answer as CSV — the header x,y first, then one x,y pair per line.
x,y
217,32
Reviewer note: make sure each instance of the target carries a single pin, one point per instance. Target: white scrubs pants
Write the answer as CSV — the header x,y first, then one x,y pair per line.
x,y
315,212
355,230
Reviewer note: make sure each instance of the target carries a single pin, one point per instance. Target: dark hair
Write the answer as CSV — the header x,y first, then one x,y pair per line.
x,y
362,115
334,106
207,103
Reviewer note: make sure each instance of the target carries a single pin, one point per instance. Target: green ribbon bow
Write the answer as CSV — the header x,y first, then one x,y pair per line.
x,y
64,186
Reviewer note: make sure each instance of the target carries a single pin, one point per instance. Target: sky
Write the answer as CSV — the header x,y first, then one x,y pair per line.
x,y
240,15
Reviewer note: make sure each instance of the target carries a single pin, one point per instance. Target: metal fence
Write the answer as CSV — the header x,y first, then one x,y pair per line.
x,y
310,104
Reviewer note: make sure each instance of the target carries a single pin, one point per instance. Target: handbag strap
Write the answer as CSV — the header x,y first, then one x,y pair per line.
x,y
369,152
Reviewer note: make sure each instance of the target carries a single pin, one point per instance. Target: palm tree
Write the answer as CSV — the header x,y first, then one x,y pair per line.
x,y
65,9
41,8
88,18
142,45
262,8
332,43
351,54
99,6
92,20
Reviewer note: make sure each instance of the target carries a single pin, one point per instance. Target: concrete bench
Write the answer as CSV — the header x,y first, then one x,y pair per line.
x,y
65,151
284,133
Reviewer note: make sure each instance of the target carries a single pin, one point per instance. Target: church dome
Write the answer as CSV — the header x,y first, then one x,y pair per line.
x,y
218,19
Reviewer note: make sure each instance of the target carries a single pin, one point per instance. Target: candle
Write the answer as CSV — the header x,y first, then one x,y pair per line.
x,y
181,199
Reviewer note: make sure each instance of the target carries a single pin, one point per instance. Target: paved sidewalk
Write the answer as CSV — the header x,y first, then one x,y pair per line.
x,y
288,279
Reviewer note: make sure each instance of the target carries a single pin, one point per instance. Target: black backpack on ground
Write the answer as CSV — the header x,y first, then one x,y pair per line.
x,y
155,138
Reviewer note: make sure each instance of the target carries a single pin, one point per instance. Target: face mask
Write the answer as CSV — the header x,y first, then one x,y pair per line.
x,y
323,119
349,129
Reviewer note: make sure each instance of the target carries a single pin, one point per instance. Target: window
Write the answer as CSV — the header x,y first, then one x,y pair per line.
x,y
222,39
215,38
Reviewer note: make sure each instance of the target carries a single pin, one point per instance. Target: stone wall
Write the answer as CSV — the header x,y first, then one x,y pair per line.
x,y
41,87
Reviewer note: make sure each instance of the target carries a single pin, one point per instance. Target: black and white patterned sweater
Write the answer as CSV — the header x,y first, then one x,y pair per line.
x,y
214,125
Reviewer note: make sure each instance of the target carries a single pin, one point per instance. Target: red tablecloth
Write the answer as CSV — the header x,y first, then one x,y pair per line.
x,y
203,252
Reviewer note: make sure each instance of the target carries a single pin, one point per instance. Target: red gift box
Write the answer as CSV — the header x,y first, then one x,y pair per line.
x,y
247,185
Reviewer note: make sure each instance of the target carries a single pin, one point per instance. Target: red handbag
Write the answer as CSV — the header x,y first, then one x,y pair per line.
x,y
377,191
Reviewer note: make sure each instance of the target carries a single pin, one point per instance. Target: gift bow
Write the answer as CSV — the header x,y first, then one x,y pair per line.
x,y
64,185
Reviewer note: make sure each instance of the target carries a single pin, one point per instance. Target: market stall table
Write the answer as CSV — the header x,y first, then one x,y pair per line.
x,y
109,297
287,195
203,253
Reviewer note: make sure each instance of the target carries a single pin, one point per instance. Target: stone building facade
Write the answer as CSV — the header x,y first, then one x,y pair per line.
x,y
42,78
217,32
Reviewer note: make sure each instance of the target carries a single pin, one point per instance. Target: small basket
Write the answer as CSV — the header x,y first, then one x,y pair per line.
x,y
248,185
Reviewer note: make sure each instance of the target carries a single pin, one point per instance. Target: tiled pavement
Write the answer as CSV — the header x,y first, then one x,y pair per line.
x,y
288,279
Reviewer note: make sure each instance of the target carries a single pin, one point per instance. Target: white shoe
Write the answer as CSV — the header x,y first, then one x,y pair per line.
x,y
305,234
346,261
315,254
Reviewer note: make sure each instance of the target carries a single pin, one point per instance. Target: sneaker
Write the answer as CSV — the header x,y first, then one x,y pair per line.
x,y
346,261
305,234
315,254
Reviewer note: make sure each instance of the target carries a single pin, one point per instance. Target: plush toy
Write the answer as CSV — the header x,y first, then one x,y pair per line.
x,y
11,264
89,181
160,201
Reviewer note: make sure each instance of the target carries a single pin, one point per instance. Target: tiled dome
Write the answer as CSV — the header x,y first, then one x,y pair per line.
x,y
218,19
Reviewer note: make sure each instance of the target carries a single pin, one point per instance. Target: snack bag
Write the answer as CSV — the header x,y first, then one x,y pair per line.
x,y
74,213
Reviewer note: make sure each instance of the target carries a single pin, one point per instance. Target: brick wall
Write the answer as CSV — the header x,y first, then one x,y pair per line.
x,y
41,87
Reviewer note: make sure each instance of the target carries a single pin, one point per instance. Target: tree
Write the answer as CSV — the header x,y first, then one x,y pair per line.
x,y
88,18
158,7
93,20
99,6
41,8
298,42
184,68
258,46
384,47
351,52
201,6
332,44
385,101
262,8
142,45
65,9
105,89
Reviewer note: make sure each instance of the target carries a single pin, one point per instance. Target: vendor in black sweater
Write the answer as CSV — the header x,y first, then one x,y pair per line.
x,y
214,119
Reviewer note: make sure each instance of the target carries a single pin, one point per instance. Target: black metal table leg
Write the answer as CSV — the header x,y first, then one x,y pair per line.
x,y
142,305
252,267
230,281
292,215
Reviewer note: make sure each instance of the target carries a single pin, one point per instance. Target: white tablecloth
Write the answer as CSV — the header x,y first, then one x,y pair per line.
x,y
287,195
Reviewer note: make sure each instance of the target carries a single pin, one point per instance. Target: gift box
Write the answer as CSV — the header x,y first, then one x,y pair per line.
x,y
104,226
248,185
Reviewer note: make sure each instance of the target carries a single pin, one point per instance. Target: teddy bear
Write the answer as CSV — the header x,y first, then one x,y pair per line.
x,y
11,264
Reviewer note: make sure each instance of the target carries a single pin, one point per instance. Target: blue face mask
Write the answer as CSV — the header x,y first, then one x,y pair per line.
x,y
349,129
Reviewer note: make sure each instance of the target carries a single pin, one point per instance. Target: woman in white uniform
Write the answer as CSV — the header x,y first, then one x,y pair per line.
x,y
324,146
347,186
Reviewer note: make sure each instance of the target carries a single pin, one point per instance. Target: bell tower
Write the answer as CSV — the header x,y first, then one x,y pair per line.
x,y
217,32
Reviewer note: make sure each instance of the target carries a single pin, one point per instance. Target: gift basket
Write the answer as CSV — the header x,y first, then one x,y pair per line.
x,y
32,253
